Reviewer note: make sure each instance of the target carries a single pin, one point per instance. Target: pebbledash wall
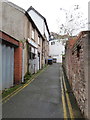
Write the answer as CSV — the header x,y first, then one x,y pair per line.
x,y
76,64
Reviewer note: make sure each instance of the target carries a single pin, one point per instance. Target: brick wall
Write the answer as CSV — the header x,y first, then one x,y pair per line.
x,y
18,64
75,65
7,39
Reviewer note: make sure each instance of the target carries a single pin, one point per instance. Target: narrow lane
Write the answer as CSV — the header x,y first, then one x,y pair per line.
x,y
40,99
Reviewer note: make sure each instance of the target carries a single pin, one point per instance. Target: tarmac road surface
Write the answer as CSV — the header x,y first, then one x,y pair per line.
x,y
40,99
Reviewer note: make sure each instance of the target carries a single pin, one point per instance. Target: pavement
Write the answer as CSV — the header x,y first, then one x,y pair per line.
x,y
42,98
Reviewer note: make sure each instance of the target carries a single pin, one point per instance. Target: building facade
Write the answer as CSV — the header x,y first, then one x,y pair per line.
x,y
21,44
56,49
11,45
41,24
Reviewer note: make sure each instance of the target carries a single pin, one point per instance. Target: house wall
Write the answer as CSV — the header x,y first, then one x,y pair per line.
x,y
13,23
36,47
18,28
12,34
27,34
55,50
46,32
38,21
43,52
40,51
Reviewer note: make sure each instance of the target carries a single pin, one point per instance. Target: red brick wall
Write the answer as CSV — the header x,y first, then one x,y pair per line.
x,y
17,56
18,64
8,38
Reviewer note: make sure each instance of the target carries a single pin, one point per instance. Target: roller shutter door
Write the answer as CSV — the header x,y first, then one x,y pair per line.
x,y
7,66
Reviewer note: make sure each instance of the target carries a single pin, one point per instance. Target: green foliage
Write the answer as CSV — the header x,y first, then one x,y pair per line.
x,y
10,90
27,76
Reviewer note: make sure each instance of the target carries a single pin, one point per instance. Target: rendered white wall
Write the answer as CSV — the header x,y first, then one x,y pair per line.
x,y
39,23
38,20
46,33
56,50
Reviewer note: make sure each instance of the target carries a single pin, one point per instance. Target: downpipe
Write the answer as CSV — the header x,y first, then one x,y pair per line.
x,y
23,65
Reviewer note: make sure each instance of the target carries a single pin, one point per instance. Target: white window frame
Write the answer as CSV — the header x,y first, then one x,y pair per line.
x,y
38,40
33,34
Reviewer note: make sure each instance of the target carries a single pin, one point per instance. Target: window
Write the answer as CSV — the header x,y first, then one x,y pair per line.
x,y
31,53
52,43
33,33
31,56
39,40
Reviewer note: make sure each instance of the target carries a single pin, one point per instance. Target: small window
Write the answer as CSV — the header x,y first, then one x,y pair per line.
x,y
39,40
52,43
33,34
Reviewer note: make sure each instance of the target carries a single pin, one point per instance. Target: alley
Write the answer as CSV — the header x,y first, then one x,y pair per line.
x,y
40,99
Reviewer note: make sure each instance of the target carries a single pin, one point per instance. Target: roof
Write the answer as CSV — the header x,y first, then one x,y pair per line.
x,y
31,8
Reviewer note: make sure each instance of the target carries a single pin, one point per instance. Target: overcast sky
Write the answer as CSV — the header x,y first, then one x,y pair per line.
x,y
50,9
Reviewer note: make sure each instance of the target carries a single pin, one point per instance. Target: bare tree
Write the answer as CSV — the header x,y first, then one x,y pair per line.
x,y
74,23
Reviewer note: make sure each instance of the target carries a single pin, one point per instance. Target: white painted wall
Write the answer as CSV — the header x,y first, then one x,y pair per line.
x,y
37,20
39,23
56,50
46,32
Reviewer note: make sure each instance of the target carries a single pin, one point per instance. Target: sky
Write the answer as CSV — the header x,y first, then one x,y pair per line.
x,y
50,9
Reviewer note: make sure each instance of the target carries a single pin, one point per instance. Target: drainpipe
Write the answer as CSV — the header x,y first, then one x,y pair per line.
x,y
23,64
0,69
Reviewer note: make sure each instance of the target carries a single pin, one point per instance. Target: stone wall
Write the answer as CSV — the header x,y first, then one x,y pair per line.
x,y
76,69
78,74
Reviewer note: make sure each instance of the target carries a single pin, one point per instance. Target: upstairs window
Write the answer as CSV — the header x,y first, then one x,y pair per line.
x,y
33,33
38,40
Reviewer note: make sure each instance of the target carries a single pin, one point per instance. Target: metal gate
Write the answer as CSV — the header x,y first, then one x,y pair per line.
x,y
7,66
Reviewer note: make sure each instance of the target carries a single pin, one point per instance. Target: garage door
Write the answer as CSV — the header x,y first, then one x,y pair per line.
x,y
7,66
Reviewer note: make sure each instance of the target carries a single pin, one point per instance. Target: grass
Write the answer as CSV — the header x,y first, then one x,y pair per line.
x,y
10,90
28,77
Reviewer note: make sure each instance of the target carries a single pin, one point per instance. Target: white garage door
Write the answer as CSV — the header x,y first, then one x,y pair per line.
x,y
7,66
